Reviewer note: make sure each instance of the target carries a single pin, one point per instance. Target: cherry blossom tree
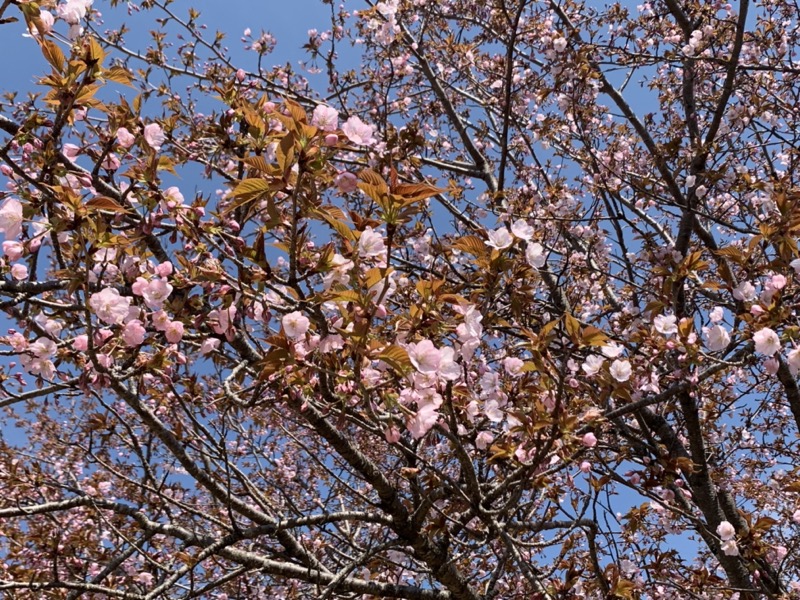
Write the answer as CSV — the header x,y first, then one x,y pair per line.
x,y
509,310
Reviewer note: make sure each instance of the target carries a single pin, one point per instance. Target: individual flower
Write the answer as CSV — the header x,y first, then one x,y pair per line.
x,y
522,230
156,292
71,151
125,138
325,117
295,324
370,243
589,440
513,366
717,338
534,254
13,249
449,369
209,345
612,350
81,343
767,341
777,282
133,333
424,356
173,198
500,238
745,292
174,332
666,324
11,218
592,364
726,531
19,271
109,306
73,11
620,370
771,366
559,44
358,132
346,182
154,136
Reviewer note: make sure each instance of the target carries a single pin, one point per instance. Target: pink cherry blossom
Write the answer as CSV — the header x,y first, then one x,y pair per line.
x,y
154,136
449,369
424,356
370,243
11,218
593,364
125,138
620,370
133,333
73,11
164,269
221,320
423,421
209,345
13,250
500,238
109,306
767,341
295,324
392,434
745,292
174,332
522,230
589,440
172,198
777,282
156,292
325,117
358,132
19,271
347,183
717,314
71,151
665,324
535,256
726,531
160,320
513,365
717,338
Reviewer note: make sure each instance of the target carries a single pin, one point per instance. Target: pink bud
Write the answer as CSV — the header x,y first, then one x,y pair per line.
x,y
589,440
164,269
771,366
392,435
240,75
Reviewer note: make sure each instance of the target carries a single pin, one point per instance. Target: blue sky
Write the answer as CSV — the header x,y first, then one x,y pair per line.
x,y
287,21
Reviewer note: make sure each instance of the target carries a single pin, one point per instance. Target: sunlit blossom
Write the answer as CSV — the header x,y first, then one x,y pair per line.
x,y
295,324
767,341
